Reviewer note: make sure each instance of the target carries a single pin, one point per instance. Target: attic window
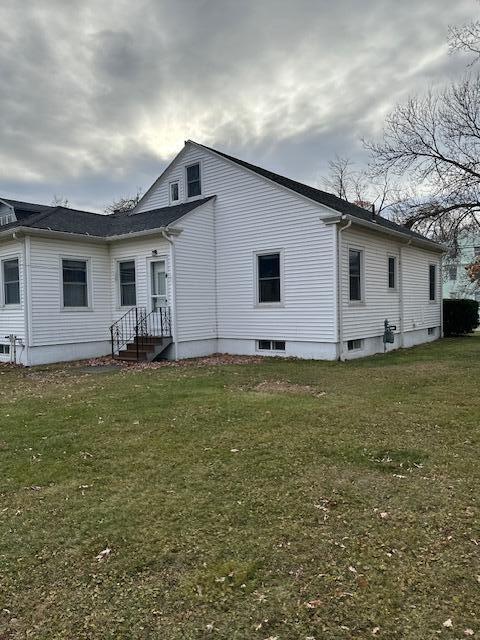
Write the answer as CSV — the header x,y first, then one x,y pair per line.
x,y
194,186
6,218
174,194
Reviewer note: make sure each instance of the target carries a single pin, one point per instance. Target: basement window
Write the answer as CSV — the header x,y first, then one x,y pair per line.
x,y
271,345
354,345
4,349
431,331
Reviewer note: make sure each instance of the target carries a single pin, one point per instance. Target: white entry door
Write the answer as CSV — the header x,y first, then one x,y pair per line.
x,y
158,284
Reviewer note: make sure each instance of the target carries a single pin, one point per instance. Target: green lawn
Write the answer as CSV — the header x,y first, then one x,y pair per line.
x,y
287,499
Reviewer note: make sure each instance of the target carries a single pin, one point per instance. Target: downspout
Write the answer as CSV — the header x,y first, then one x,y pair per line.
x,y
441,297
400,292
341,353
164,233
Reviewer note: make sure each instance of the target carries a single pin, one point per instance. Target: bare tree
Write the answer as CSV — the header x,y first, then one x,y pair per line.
x,y
59,201
124,204
357,187
466,38
433,145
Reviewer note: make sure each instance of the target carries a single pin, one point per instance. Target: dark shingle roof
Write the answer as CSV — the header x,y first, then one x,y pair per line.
x,y
26,209
323,197
87,223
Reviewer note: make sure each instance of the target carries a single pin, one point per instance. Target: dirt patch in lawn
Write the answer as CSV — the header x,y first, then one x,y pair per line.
x,y
280,386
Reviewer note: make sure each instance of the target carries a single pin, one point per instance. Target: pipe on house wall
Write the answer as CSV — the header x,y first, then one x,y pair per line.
x,y
165,234
341,350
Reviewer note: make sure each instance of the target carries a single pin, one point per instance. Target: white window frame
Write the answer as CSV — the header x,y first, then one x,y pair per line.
x,y
361,302
89,307
169,294
170,184
360,348
3,303
200,172
393,289
271,341
268,305
118,261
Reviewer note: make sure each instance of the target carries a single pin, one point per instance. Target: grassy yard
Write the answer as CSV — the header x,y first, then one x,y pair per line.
x,y
286,499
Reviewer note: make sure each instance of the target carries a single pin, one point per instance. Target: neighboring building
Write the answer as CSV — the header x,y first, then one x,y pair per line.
x,y
218,256
456,283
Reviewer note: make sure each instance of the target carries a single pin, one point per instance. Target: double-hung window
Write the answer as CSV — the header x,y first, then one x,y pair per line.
x,y
194,186
355,274
269,278
75,283
432,281
11,281
126,276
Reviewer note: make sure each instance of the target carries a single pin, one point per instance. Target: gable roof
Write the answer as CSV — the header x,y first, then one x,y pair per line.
x,y
87,223
323,197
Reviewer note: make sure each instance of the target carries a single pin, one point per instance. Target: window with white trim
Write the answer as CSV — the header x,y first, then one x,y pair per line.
x,y
194,185
126,278
432,281
269,287
4,349
392,272
11,281
355,259
354,345
271,345
174,192
75,283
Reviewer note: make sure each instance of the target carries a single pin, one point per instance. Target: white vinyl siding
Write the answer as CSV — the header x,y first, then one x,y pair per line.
x,y
12,317
254,215
420,311
142,251
195,276
380,302
51,322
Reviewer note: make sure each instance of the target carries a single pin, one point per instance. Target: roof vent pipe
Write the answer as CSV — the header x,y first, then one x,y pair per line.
x,y
373,211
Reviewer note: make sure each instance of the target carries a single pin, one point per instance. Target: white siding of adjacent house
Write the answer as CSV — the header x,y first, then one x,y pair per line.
x,y
252,214
51,323
12,317
366,319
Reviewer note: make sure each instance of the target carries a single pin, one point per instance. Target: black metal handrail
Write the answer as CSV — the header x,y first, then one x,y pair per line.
x,y
139,327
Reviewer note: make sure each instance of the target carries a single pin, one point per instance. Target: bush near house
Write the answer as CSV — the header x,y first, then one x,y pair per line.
x,y
459,317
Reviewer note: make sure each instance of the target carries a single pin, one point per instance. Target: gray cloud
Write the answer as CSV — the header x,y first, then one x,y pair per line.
x,y
95,100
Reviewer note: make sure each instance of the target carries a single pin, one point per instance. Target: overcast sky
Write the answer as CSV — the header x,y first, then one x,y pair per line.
x,y
96,97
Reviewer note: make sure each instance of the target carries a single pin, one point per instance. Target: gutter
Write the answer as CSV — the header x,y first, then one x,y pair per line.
x,y
19,231
424,242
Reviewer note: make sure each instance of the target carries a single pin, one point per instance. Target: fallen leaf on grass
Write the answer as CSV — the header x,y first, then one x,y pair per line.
x,y
448,623
104,555
469,632
375,630
313,604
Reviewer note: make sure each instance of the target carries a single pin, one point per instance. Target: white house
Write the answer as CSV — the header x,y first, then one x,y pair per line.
x,y
218,256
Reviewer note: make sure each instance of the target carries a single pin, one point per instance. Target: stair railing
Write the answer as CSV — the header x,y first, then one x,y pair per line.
x,y
138,326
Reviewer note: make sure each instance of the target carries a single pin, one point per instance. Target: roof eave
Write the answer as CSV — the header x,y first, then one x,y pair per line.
x,y
423,242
